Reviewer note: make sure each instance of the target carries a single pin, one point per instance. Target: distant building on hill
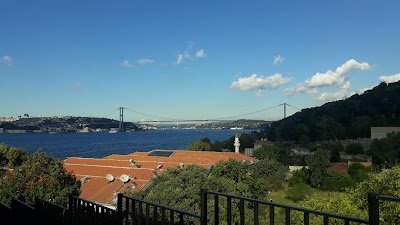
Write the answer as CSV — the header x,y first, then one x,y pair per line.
x,y
103,178
381,132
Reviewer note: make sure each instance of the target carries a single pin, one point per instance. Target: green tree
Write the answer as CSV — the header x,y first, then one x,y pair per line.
x,y
299,192
317,164
271,171
267,152
199,146
334,202
337,181
354,148
386,183
358,172
11,157
40,175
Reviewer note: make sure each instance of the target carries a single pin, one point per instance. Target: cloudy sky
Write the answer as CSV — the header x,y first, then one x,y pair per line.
x,y
192,59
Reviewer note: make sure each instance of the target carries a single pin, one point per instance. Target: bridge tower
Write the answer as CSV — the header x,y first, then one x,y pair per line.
x,y
121,119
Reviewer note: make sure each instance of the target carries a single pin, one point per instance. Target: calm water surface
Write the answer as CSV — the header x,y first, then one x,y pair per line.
x,y
96,145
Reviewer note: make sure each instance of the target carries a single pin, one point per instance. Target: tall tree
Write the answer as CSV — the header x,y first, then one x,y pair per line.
x,y
318,166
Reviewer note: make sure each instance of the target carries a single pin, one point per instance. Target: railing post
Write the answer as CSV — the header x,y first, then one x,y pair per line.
x,y
373,208
71,210
119,208
203,207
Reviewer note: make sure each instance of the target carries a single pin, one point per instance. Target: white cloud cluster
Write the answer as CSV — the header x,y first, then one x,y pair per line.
x,y
145,61
126,64
260,83
330,79
390,79
339,95
278,59
7,60
74,86
187,54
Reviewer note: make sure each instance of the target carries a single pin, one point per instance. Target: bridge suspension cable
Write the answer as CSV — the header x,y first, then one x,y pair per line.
x,y
229,118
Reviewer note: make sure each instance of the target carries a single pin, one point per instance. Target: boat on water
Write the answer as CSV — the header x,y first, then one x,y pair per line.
x,y
113,130
236,128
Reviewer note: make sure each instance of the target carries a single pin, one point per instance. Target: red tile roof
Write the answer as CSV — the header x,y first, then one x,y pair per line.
x,y
96,188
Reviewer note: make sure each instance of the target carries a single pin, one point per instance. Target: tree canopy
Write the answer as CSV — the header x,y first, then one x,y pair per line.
x,y
39,175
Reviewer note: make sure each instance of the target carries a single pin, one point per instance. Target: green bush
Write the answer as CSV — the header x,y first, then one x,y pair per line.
x,y
337,181
299,192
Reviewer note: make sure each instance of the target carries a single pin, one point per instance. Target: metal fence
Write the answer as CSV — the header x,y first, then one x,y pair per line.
x,y
84,212
242,210
141,212
216,208
49,213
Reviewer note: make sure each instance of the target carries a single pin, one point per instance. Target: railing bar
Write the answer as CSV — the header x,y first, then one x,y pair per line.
x,y
140,216
126,212
255,205
171,217
133,204
271,215
229,210
326,220
155,214
241,211
181,221
216,209
389,198
287,216
306,218
147,213
163,218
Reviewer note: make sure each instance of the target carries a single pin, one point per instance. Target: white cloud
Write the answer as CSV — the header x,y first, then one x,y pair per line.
x,y
200,53
346,86
278,59
390,79
260,83
365,89
300,89
340,95
145,61
126,64
179,58
7,60
331,78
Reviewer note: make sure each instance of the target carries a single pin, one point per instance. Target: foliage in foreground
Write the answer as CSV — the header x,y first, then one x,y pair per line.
x,y
39,175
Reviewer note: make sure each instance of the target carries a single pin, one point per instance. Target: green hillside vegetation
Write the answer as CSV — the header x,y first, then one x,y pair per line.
x,y
349,118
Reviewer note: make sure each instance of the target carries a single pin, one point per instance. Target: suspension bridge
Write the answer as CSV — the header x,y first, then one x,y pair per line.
x,y
161,119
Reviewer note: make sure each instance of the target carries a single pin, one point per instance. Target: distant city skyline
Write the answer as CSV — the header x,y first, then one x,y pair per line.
x,y
191,59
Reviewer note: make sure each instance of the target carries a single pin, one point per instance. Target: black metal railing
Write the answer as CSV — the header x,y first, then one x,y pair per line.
x,y
141,212
84,212
5,213
374,207
49,213
215,208
22,213
238,208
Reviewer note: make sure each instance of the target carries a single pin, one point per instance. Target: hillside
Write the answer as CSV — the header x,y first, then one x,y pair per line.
x,y
349,118
64,124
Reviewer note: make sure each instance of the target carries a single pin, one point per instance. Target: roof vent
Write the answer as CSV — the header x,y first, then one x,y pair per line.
x,y
159,167
181,165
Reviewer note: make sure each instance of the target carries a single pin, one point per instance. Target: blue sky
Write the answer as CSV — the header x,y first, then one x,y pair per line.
x,y
191,59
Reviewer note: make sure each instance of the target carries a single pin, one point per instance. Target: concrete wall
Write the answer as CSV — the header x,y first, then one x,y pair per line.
x,y
380,132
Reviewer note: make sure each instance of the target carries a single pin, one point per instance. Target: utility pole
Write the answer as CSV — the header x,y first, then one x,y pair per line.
x,y
121,119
